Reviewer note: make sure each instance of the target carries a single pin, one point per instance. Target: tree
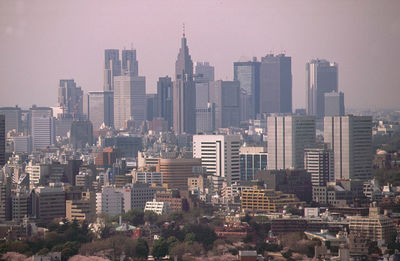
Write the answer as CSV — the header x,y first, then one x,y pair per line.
x,y
160,248
141,249
150,216
134,216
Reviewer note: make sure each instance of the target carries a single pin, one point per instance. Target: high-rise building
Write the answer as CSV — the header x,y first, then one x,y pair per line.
x,y
101,109
219,154
248,74
350,138
288,136
205,109
42,132
22,144
204,71
37,112
225,96
109,201
276,84
334,104
321,78
130,65
165,99
151,106
112,68
252,159
81,134
129,100
48,203
2,140
5,198
184,94
70,98
319,164
13,118
176,172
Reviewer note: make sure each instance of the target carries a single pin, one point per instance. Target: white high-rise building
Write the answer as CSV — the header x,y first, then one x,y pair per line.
x,y
319,164
288,136
129,100
219,154
350,138
43,132
109,201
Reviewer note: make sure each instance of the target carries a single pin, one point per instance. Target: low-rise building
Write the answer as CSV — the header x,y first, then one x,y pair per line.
x,y
160,208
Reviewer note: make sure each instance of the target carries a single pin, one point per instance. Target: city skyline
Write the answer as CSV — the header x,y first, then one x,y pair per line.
x,y
72,53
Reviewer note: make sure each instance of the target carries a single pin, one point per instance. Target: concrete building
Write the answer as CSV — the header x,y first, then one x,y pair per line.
x,y
2,140
334,104
204,71
266,200
5,198
101,109
112,68
319,164
158,207
109,201
42,132
252,159
83,209
12,118
151,106
165,99
288,136
130,65
177,171
147,177
20,204
48,203
70,98
321,78
81,134
219,154
129,100
184,95
136,195
205,109
276,84
350,138
226,97
248,74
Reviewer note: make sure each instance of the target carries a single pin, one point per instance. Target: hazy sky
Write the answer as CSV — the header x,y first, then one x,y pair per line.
x,y
44,41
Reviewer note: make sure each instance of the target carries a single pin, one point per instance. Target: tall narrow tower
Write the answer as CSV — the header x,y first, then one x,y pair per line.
x,y
184,93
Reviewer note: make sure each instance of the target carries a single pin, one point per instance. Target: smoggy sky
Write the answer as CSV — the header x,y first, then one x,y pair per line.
x,y
44,41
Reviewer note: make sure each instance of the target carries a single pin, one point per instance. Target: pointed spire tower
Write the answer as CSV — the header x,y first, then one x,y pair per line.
x,y
184,91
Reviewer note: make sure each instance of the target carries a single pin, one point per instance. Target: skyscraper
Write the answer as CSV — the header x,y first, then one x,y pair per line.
x,y
248,74
321,78
13,118
101,108
129,100
204,71
70,98
81,134
2,140
219,154
288,136
165,99
205,109
130,65
112,68
42,132
151,106
276,84
334,104
225,96
319,164
350,138
184,92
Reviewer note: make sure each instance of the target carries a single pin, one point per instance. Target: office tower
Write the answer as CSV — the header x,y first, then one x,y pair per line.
x,y
276,84
38,112
63,124
109,201
128,146
22,144
204,71
350,138
82,208
219,154
334,104
2,140
5,197
184,95
225,96
136,195
205,110
81,134
147,177
70,98
42,132
319,164
321,78
129,100
48,203
288,136
101,109
13,118
252,159
130,65
112,68
151,106
165,99
176,171
20,204
248,74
